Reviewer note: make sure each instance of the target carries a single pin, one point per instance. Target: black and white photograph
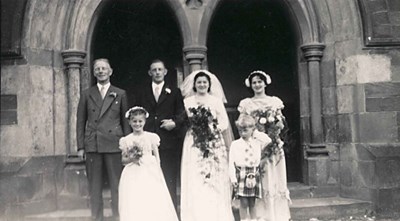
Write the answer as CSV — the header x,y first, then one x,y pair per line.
x,y
200,110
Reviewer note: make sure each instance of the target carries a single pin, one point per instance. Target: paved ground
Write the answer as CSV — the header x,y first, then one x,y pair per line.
x,y
364,218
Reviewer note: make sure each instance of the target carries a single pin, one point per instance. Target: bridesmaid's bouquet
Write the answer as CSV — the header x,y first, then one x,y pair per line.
x,y
132,154
271,122
204,129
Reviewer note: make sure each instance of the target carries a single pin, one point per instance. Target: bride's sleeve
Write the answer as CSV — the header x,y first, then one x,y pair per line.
x,y
222,116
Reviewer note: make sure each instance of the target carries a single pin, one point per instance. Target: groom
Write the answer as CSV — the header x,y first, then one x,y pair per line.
x,y
166,118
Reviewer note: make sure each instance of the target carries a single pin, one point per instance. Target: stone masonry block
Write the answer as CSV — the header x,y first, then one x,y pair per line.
x,y
363,69
347,168
348,152
382,89
328,78
387,170
388,200
318,170
377,5
383,31
330,128
378,127
364,153
334,151
345,72
367,174
334,169
345,99
383,104
379,18
393,5
345,128
329,100
394,17
347,48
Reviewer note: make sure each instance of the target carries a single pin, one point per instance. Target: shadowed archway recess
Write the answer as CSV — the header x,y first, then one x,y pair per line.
x,y
258,35
133,33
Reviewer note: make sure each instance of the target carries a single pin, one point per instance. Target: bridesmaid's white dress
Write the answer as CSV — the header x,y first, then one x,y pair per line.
x,y
274,205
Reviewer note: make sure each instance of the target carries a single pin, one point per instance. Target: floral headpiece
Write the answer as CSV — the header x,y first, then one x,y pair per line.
x,y
134,109
267,77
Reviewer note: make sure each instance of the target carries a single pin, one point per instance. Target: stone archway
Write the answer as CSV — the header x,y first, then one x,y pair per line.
x,y
77,53
304,17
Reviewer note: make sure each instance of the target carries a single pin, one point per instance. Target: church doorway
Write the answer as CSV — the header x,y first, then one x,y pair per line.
x,y
258,35
133,33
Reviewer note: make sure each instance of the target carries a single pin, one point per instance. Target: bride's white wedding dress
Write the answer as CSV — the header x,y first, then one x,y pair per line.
x,y
205,199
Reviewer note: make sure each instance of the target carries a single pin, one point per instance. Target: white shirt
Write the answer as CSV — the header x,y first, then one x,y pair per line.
x,y
106,86
246,153
160,86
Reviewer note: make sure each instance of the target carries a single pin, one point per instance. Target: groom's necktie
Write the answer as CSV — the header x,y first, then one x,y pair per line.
x,y
157,93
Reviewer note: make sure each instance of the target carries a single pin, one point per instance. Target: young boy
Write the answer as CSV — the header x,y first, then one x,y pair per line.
x,y
244,162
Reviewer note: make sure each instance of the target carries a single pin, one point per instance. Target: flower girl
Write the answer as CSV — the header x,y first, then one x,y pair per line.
x,y
143,193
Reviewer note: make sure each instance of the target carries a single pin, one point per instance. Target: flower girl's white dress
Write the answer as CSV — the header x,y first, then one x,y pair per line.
x,y
143,193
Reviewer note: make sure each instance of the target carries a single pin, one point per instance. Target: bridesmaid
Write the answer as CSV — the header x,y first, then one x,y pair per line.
x,y
267,111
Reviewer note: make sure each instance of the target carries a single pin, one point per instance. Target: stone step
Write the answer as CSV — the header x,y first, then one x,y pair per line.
x,y
328,208
301,210
67,215
303,191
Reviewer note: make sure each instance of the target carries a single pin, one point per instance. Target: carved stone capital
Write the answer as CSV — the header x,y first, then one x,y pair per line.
x,y
73,58
313,51
195,54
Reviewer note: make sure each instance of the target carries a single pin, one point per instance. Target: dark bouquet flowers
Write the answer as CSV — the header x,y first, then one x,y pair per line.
x,y
208,139
271,122
132,154
204,129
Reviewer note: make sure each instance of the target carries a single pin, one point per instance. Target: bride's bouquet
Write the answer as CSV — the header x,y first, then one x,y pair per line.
x,y
132,154
204,129
207,138
271,122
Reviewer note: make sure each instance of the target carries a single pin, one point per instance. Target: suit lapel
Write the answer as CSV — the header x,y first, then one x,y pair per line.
x,y
108,99
95,96
150,95
163,94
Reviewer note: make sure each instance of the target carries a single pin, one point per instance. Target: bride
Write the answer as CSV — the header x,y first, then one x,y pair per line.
x,y
205,186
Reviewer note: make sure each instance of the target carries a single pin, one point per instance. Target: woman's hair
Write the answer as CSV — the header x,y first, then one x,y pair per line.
x,y
261,74
245,119
201,74
134,111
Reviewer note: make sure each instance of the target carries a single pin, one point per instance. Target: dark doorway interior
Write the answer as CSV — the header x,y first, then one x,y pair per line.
x,y
258,35
133,33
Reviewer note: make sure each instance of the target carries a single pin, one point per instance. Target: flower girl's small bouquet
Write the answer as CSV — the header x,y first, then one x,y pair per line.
x,y
132,154
271,122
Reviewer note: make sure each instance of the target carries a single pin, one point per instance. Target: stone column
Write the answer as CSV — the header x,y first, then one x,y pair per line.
x,y
317,156
313,54
195,55
73,60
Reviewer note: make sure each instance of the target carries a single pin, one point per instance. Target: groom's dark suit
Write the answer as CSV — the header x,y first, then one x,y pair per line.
x,y
169,106
100,125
